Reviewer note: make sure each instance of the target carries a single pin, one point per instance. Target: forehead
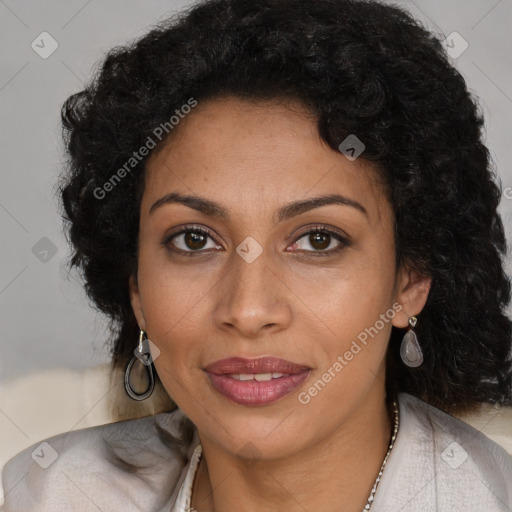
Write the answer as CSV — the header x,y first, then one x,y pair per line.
x,y
257,153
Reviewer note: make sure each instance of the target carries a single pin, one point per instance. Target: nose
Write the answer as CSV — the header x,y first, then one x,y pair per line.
x,y
252,298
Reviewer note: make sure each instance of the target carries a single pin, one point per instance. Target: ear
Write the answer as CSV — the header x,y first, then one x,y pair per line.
x,y
136,302
412,290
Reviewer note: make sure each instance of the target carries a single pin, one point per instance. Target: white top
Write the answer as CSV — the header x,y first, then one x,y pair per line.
x,y
437,463
185,495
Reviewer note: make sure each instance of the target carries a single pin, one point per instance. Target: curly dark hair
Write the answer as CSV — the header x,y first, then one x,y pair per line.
x,y
361,67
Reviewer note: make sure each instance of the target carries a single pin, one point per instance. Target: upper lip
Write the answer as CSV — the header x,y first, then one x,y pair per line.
x,y
236,365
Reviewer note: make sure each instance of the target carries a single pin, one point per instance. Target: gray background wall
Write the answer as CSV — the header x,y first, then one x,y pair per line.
x,y
45,318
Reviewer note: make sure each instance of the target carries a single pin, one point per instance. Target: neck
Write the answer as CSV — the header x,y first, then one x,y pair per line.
x,y
341,469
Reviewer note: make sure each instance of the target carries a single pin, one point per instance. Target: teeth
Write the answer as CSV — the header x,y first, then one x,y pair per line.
x,y
260,377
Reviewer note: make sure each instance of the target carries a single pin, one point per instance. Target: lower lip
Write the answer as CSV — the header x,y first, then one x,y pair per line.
x,y
252,392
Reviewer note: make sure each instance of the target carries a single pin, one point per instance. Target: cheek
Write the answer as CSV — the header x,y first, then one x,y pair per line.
x,y
174,314
353,309
170,289
351,293
174,303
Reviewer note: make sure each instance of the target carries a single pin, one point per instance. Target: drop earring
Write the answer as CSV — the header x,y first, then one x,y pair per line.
x,y
410,350
142,352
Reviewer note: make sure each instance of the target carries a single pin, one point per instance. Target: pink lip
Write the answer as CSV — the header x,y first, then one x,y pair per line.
x,y
252,392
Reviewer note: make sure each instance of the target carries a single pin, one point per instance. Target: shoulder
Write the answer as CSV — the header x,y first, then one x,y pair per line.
x,y
442,462
129,465
464,441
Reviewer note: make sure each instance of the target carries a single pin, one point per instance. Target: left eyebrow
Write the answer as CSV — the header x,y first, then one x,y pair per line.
x,y
213,209
298,207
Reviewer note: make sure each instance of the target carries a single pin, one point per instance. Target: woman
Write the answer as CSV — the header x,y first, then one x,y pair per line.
x,y
287,209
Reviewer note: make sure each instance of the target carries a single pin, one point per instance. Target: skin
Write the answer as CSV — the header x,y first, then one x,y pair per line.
x,y
253,158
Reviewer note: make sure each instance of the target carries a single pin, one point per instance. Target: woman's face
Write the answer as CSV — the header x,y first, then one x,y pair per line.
x,y
258,285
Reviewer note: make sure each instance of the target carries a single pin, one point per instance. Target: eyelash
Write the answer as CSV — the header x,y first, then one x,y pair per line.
x,y
323,229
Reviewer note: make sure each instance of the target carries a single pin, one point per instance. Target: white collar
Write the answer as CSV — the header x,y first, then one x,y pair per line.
x,y
182,503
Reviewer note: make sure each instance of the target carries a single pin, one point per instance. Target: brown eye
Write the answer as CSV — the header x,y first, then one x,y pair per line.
x,y
320,240
194,240
190,240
